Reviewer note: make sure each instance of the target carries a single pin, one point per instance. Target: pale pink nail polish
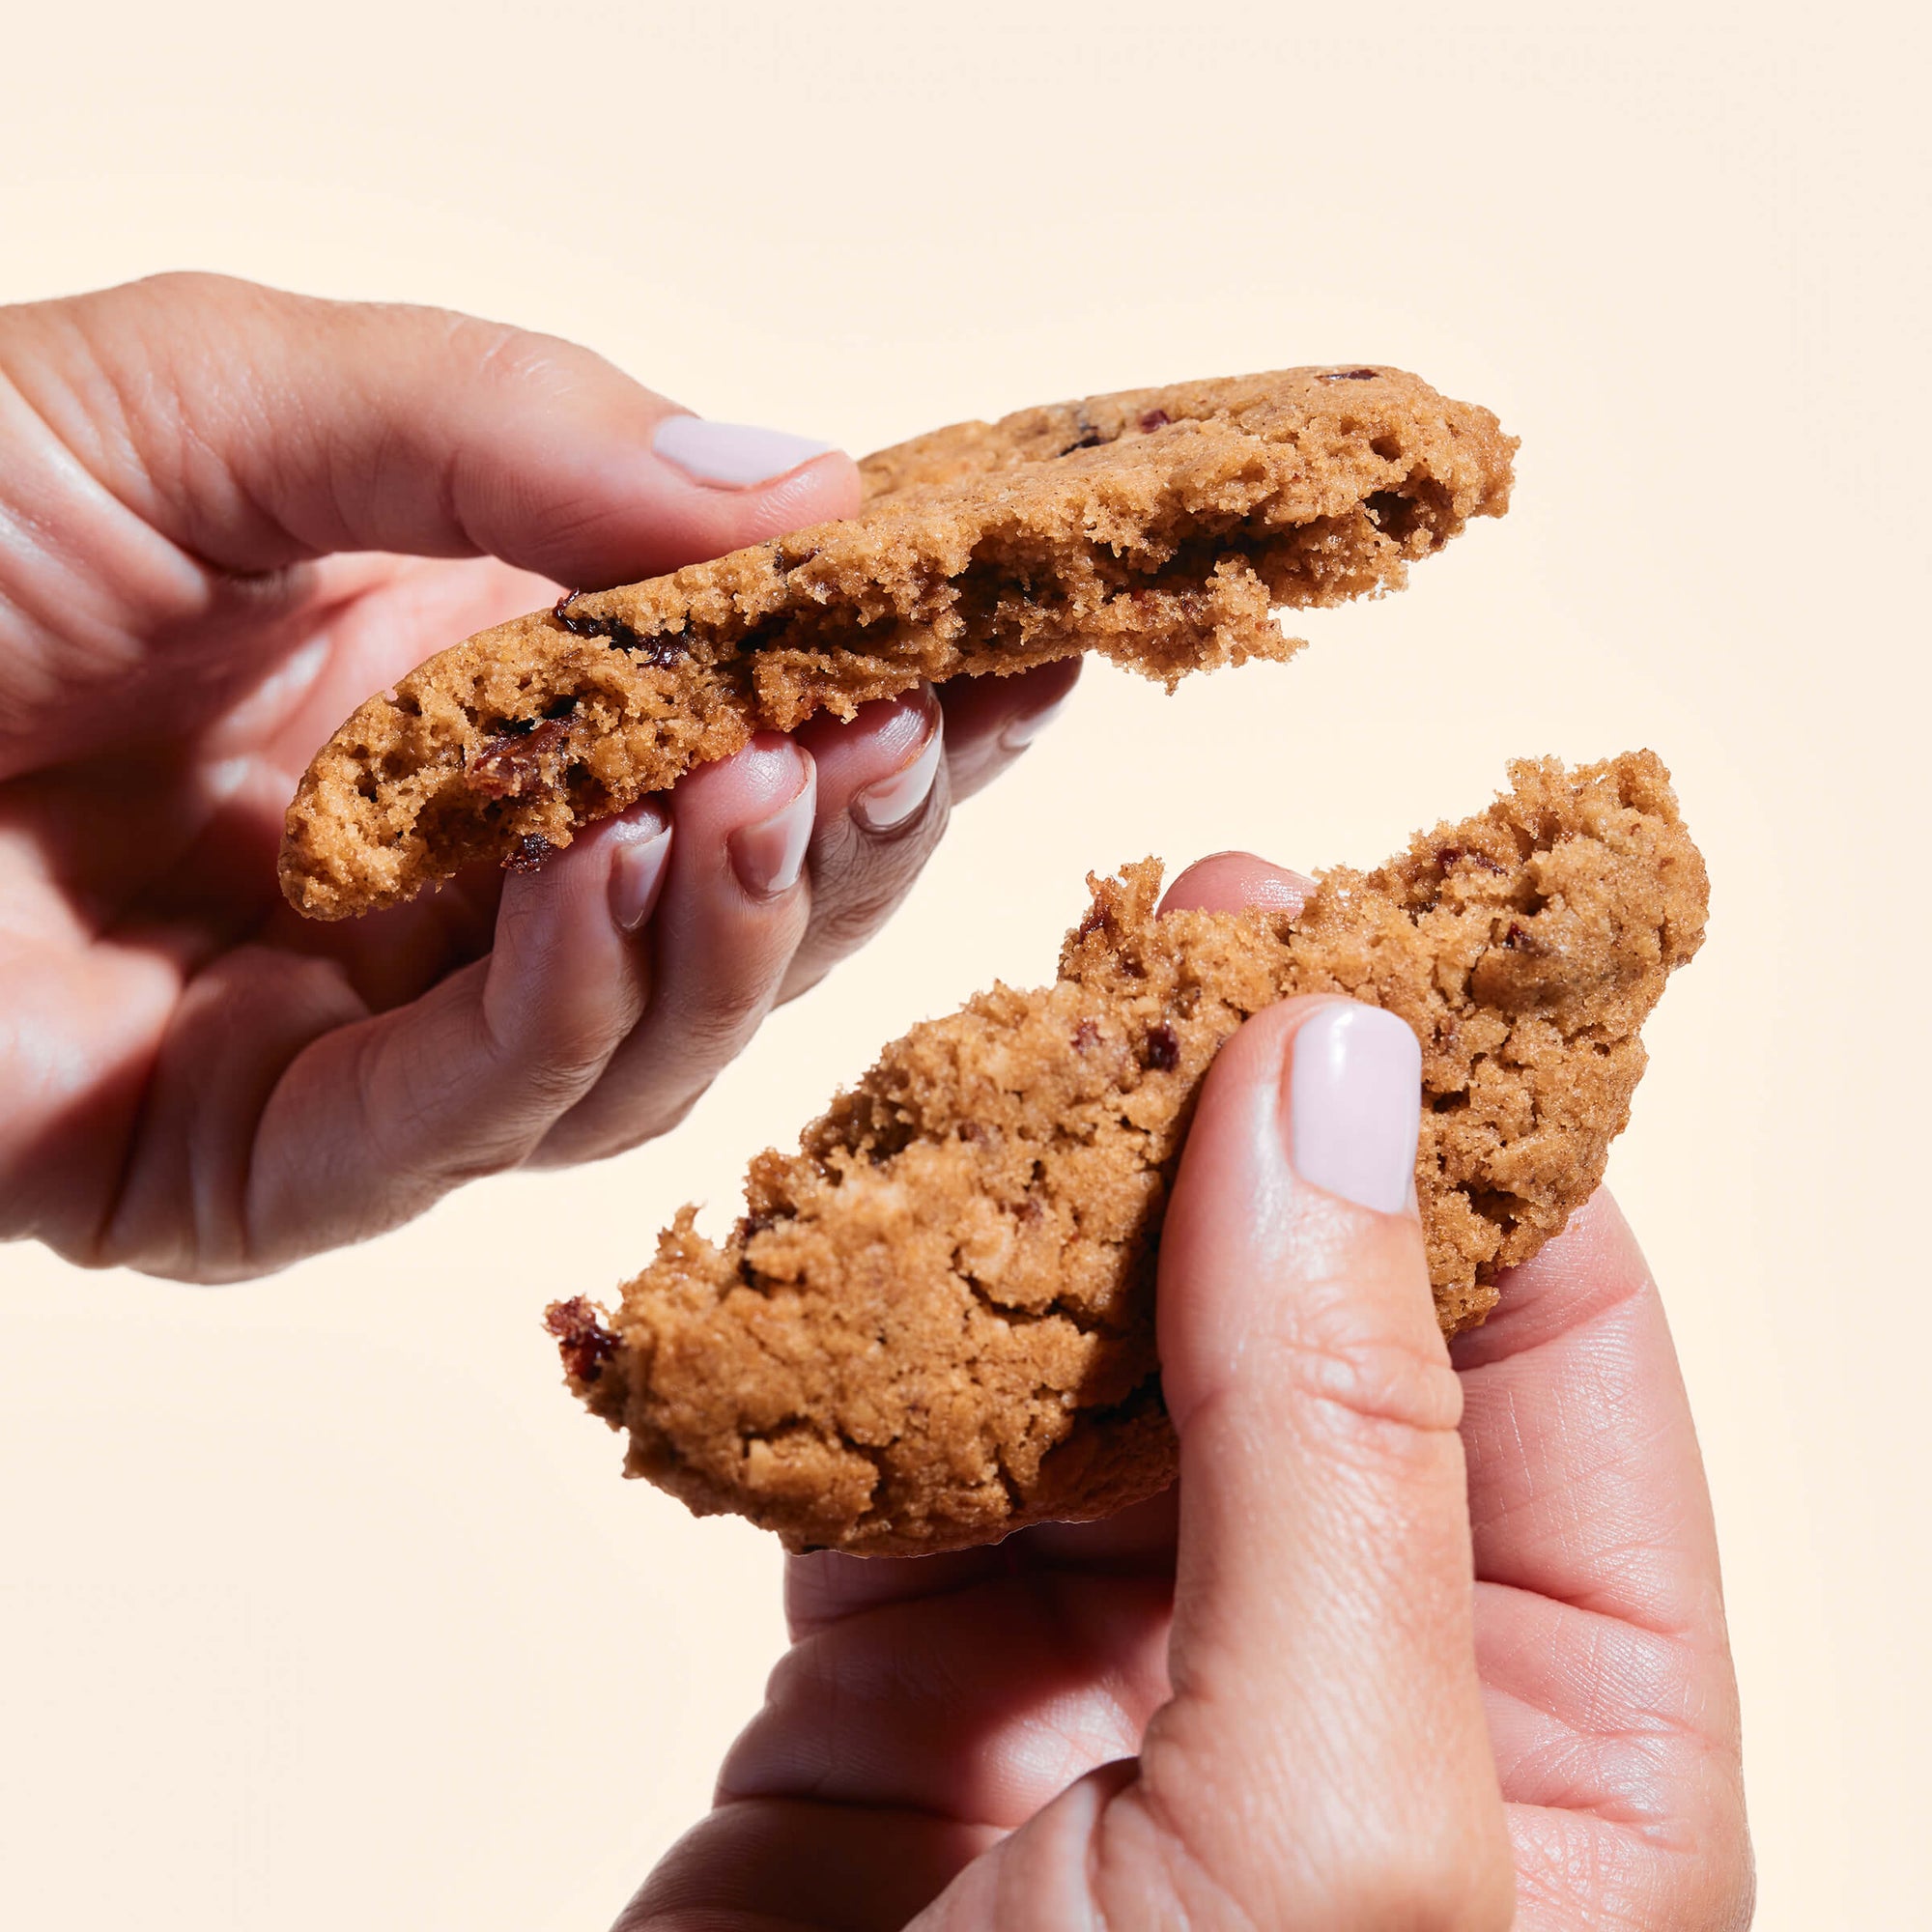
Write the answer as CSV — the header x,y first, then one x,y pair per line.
x,y
734,456
641,842
769,856
1021,731
1355,1104
887,804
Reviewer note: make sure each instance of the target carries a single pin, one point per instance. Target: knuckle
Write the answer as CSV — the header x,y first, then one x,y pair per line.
x,y
546,1058
405,1085
1723,1891
850,920
600,1129
857,894
622,1111
673,1114
1449,1870
1440,1887
714,1031
196,286
555,1051
1366,1380
496,352
551,1065
558,1074
1737,1905
488,348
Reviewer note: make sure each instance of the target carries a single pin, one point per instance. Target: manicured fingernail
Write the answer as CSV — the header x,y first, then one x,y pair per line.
x,y
735,455
769,856
1355,1104
642,841
891,801
1021,731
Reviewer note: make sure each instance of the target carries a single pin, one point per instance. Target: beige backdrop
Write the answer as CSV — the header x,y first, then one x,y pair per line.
x,y
321,1605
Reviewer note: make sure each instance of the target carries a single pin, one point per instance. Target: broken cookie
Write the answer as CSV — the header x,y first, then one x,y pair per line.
x,y
935,1323
1157,526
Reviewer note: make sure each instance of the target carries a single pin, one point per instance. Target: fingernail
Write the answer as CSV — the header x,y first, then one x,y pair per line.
x,y
1021,731
769,856
736,455
1355,1104
642,841
893,800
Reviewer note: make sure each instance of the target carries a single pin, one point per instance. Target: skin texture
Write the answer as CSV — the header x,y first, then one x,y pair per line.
x,y
226,515
1272,1696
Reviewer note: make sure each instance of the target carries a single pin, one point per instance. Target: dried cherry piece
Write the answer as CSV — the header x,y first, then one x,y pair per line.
x,y
1163,1049
518,759
1154,419
583,1340
1348,376
661,649
1090,437
532,849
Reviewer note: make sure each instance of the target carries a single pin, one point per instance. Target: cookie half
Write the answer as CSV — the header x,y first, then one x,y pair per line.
x,y
935,1323
1157,526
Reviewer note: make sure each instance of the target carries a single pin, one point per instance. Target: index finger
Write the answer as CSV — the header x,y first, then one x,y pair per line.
x,y
1586,1481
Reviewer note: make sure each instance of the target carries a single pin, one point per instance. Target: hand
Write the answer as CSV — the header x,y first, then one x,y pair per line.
x,y
1272,1698
214,500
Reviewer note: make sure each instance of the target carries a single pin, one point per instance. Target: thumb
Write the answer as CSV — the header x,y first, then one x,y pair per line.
x,y
1324,1753
255,428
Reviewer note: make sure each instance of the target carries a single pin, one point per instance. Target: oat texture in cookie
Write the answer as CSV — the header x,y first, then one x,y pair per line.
x,y
935,1323
1157,527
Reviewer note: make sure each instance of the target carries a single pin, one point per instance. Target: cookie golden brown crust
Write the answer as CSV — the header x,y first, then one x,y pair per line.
x,y
1157,527
935,1323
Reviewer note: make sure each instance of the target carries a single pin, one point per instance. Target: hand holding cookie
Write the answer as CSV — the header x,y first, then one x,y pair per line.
x,y
232,515
1272,1698
538,889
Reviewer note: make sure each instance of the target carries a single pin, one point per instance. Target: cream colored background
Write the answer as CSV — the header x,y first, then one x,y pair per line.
x,y
320,1603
